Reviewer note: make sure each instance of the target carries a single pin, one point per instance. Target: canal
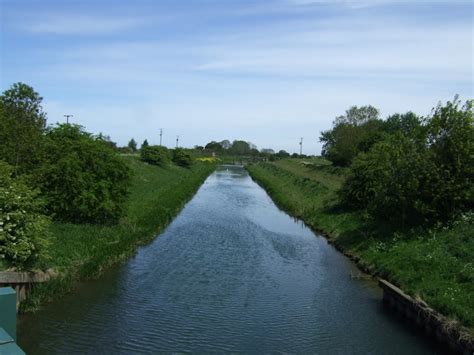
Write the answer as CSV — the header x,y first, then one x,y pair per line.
x,y
232,273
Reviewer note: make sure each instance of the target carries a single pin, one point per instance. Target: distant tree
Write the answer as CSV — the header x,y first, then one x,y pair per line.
x,y
132,145
181,157
107,140
282,154
295,155
145,144
267,151
155,155
214,146
225,144
254,152
22,124
240,148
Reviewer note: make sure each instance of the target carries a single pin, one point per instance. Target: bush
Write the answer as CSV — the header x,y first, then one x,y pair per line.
x,y
83,179
23,226
426,175
155,155
388,180
182,158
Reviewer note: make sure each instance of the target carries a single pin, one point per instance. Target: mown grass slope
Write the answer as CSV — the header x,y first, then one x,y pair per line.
x,y
436,265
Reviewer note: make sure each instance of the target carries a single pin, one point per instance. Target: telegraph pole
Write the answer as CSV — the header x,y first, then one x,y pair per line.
x,y
67,118
177,141
161,135
301,146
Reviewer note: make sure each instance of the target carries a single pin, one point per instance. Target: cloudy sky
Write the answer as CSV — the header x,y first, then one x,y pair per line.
x,y
267,71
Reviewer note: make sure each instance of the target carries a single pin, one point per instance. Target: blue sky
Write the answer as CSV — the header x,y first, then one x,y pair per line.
x,y
267,71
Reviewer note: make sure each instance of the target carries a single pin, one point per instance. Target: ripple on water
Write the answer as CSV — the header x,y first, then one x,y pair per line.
x,y
231,273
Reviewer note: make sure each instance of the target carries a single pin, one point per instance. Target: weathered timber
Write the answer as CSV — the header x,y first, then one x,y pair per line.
x,y
22,282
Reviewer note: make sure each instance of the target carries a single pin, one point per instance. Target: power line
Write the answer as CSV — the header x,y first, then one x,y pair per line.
x,y
301,146
161,134
177,141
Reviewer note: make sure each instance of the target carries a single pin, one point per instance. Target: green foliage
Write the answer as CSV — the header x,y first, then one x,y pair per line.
x,y
388,180
450,136
353,132
239,148
23,226
22,123
435,264
282,154
82,178
214,147
155,155
83,251
132,145
144,144
422,172
181,157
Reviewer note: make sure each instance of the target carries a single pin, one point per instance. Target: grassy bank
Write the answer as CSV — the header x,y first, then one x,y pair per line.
x,y
82,252
434,265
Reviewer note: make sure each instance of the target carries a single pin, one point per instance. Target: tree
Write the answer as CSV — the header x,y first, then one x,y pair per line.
x,y
282,154
82,178
181,157
22,124
23,226
225,144
214,147
132,145
239,148
155,155
144,144
418,174
350,134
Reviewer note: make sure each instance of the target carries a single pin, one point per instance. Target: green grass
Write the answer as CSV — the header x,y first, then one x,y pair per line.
x,y
434,265
80,251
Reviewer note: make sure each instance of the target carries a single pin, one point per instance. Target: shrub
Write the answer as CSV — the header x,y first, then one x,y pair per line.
x,y
182,158
155,155
23,226
388,180
423,175
83,179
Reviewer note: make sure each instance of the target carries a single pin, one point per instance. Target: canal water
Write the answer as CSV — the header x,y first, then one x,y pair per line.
x,y
232,273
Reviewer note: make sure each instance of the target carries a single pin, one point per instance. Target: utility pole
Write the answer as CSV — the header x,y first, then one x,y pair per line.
x,y
161,135
301,146
67,118
177,141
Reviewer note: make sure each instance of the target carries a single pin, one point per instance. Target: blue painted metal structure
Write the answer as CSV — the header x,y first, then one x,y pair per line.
x,y
8,345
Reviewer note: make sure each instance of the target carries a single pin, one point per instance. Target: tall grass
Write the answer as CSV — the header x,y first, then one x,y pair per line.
x,y
436,265
81,251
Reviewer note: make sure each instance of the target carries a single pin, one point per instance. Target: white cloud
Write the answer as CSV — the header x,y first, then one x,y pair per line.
x,y
77,24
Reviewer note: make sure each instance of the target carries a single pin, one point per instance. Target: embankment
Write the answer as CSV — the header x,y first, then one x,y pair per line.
x,y
80,251
434,266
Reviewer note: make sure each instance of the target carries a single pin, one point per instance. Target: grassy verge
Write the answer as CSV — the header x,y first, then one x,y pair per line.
x,y
82,252
436,266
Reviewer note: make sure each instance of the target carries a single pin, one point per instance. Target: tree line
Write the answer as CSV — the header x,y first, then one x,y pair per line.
x,y
407,168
